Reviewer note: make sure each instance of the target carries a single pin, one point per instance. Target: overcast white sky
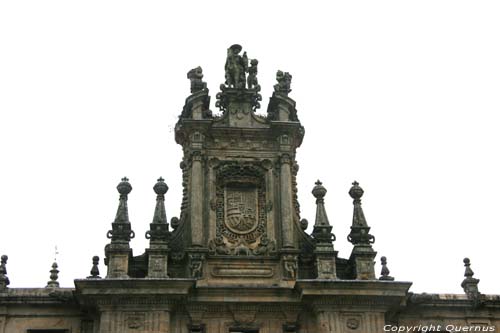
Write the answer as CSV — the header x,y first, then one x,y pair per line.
x,y
402,96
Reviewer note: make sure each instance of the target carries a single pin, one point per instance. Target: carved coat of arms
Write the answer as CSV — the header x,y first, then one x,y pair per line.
x,y
241,210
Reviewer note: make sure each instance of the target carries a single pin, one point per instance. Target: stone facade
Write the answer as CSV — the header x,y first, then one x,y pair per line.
x,y
238,257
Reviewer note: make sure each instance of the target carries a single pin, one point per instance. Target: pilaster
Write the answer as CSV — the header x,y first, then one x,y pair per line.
x,y
197,198
286,201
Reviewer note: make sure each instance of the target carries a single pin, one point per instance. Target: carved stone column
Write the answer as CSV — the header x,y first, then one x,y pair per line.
x,y
286,201
196,201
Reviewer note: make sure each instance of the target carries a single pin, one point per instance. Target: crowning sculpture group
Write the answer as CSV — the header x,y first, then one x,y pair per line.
x,y
241,73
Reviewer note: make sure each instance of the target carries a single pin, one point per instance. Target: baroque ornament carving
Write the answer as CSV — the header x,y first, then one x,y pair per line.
x,y
136,321
290,267
352,323
241,210
196,265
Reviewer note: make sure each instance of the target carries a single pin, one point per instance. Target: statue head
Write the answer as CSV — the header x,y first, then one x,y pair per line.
x,y
235,48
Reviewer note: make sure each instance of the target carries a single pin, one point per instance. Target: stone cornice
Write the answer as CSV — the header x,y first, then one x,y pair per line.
x,y
143,287
37,296
132,291
238,295
353,292
450,301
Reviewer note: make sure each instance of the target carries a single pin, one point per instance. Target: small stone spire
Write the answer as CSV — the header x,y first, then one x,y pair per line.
x,y
53,277
158,229
4,280
385,271
94,272
118,251
158,235
322,233
121,229
362,254
322,228
359,229
469,284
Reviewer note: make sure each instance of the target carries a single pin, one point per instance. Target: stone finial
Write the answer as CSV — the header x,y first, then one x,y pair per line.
x,y
4,280
359,230
195,76
284,82
469,284
322,228
159,227
319,191
94,272
160,189
385,271
121,230
124,188
53,283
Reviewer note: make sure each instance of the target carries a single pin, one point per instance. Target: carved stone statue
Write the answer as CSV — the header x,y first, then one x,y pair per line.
x,y
196,265
284,81
196,76
252,81
235,67
290,264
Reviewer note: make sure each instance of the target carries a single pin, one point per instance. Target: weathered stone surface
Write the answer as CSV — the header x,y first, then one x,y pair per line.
x,y
238,258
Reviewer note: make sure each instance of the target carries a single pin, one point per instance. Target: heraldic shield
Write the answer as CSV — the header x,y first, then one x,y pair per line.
x,y
241,210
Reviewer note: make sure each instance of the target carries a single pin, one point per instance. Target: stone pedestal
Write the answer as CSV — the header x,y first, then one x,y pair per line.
x,y
325,265
118,257
157,263
363,257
